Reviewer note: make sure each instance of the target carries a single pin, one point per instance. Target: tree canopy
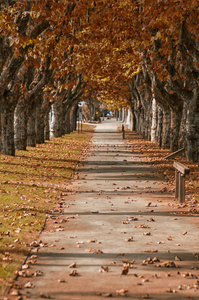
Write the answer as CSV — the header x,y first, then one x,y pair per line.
x,y
122,52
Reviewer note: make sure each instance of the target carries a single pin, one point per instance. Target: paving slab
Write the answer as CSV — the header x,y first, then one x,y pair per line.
x,y
119,234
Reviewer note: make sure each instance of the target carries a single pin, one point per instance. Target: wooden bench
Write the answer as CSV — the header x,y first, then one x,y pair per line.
x,y
180,172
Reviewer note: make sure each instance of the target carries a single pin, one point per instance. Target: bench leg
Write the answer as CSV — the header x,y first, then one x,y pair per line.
x,y
182,188
177,174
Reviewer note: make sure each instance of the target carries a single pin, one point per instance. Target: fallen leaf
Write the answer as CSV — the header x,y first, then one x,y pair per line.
x,y
73,273
38,273
121,292
106,295
130,239
61,280
59,229
125,222
73,265
104,269
151,220
25,267
185,232
132,219
94,251
15,293
147,233
145,280
188,275
171,291
46,296
125,270
141,226
167,264
177,258
28,285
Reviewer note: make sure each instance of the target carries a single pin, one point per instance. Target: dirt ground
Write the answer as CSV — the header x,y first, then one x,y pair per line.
x,y
116,233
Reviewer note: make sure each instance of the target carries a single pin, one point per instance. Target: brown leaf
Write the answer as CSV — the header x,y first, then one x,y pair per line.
x,y
141,226
28,285
38,273
185,232
73,273
125,222
167,264
15,293
61,280
121,292
177,258
106,295
132,219
46,296
130,239
125,270
147,233
73,265
104,269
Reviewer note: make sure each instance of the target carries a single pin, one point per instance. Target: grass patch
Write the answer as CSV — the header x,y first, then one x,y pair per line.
x,y
30,184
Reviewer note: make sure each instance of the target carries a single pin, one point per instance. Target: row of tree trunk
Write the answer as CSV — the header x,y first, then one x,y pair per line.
x,y
30,125
172,127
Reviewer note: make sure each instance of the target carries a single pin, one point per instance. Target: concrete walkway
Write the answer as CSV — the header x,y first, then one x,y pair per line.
x,y
120,234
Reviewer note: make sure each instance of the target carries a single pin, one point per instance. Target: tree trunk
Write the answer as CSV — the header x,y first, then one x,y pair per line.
x,y
20,125
141,121
56,125
46,126
31,132
0,131
39,125
175,127
154,120
130,118
66,121
192,127
159,127
73,117
7,131
166,129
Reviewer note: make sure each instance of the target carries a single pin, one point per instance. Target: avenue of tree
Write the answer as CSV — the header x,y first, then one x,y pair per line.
x,y
141,54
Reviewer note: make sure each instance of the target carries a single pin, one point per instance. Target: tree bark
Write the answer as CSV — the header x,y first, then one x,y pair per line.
x,y
192,127
20,125
46,126
7,131
166,128
66,121
175,127
39,125
56,125
31,132
0,130
73,117
154,120
159,127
